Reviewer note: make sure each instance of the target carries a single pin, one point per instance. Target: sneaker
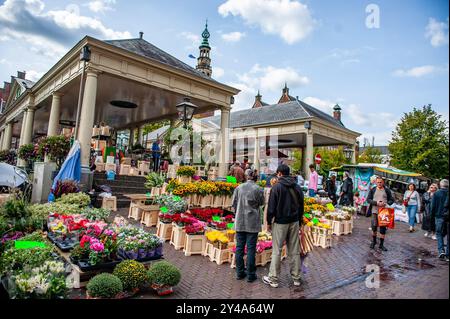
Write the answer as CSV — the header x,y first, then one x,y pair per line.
x,y
240,277
446,259
442,256
426,234
268,281
297,282
372,245
382,248
434,237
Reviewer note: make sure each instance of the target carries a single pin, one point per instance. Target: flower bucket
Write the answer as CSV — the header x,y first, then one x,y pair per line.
x,y
227,201
184,179
151,253
206,201
218,201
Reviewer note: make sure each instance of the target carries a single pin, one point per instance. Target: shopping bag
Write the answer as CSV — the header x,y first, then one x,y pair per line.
x,y
386,217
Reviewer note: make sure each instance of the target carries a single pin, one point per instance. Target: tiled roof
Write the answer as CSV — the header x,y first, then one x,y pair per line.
x,y
148,50
293,110
26,84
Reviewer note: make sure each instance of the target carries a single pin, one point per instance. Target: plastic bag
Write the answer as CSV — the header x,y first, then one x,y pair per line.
x,y
386,217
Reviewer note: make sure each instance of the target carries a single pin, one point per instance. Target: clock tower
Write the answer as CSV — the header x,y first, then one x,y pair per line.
x,y
204,61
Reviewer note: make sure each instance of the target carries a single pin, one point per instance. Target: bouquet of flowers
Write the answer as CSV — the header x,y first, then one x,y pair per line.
x,y
188,171
195,229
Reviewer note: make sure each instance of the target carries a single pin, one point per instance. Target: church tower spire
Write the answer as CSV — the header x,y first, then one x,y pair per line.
x,y
204,61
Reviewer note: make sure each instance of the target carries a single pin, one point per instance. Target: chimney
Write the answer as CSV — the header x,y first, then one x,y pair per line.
x,y
258,102
21,75
141,35
337,112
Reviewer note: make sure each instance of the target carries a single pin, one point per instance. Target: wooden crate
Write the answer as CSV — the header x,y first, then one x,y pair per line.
x,y
348,226
227,201
337,227
110,203
155,191
133,171
218,201
221,256
209,251
206,201
150,215
124,169
135,212
184,179
100,167
178,237
110,167
261,259
164,231
144,167
322,240
194,245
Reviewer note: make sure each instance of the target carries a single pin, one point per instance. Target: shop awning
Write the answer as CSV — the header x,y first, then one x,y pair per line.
x,y
396,171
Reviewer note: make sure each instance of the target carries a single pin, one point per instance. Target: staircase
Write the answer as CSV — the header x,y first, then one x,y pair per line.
x,y
120,186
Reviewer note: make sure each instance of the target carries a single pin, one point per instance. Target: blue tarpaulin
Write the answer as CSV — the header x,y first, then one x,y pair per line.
x,y
71,168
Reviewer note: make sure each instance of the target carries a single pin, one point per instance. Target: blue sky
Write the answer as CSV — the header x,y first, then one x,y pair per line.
x,y
322,49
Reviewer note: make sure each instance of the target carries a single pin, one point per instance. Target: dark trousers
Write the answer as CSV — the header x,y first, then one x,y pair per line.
x,y
156,164
243,238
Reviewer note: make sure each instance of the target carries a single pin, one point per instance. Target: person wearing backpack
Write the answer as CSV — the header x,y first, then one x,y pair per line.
x,y
284,216
439,211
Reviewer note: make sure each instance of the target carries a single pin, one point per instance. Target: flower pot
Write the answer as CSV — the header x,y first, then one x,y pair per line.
x,y
142,253
151,253
159,250
132,254
163,290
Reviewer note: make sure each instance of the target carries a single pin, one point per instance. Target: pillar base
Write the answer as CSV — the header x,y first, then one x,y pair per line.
x,y
42,181
87,179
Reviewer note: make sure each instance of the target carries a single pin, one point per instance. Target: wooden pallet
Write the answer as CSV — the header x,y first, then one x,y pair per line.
x,y
348,226
110,203
217,255
337,227
135,212
164,231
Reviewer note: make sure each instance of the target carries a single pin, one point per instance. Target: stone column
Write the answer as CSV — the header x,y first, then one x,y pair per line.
x,y
7,136
225,141
87,117
354,154
308,153
2,133
53,122
22,129
140,135
132,137
257,153
28,131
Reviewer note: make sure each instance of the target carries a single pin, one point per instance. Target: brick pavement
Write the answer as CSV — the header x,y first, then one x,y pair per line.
x,y
410,269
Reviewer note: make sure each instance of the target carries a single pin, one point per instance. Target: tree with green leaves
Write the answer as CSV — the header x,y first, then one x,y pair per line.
x,y
148,128
370,155
420,143
331,158
297,163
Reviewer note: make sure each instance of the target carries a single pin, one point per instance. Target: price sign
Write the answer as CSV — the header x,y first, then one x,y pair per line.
x,y
230,225
176,198
164,209
318,159
231,179
216,218
28,244
330,207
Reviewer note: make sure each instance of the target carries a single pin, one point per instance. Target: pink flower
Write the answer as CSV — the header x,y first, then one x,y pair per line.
x,y
97,246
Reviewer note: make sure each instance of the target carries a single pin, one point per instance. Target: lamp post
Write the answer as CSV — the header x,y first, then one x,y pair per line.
x,y
85,56
186,110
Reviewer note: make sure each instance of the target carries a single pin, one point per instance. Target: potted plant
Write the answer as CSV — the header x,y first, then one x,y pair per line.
x,y
163,276
29,153
104,286
55,147
132,274
154,182
65,187
185,174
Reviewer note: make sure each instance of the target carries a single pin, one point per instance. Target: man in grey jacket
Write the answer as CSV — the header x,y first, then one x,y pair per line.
x,y
247,200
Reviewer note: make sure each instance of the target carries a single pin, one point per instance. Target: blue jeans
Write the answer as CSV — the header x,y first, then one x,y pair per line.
x,y
412,211
441,229
312,192
243,238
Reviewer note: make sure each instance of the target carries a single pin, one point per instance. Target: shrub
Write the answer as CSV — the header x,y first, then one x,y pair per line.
x,y
104,286
80,199
131,273
154,180
56,147
96,214
164,273
15,260
28,152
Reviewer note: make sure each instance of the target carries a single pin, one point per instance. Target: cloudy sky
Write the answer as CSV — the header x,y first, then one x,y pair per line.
x,y
377,59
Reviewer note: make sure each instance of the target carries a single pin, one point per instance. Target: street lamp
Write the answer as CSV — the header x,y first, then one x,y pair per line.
x,y
186,110
348,152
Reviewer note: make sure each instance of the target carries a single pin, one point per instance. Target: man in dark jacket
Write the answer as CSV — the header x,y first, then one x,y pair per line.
x,y
331,189
439,212
346,191
284,216
379,197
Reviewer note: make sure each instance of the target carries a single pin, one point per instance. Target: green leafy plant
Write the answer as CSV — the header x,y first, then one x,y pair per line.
x,y
154,180
29,152
131,273
16,260
96,214
104,286
16,213
56,147
80,199
174,204
8,156
164,273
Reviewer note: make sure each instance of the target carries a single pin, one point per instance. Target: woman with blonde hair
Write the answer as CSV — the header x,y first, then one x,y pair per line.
x,y
428,223
411,201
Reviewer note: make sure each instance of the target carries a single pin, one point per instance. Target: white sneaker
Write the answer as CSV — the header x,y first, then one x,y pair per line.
x,y
297,283
267,281
426,234
434,237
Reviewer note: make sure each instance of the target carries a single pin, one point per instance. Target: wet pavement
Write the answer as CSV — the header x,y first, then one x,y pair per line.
x,y
409,269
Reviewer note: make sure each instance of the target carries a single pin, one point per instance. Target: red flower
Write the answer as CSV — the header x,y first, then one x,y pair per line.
x,y
85,239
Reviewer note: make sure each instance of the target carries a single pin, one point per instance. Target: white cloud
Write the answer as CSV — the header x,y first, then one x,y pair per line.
x,y
49,33
437,32
420,71
291,20
359,117
217,72
323,105
194,38
33,75
233,36
101,5
381,138
245,98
